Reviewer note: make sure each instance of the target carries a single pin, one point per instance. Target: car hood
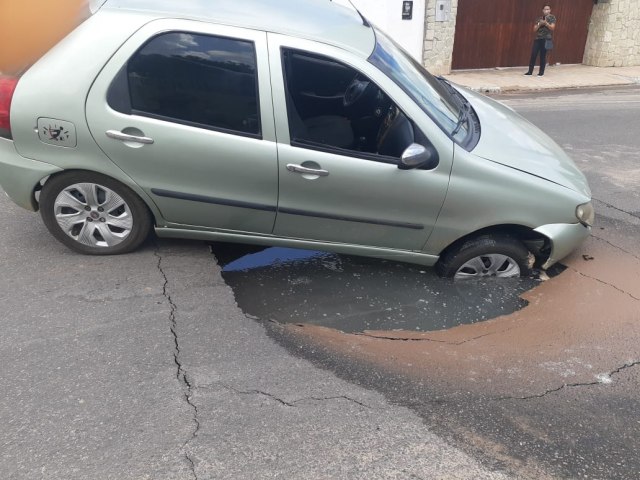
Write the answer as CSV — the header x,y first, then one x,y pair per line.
x,y
509,139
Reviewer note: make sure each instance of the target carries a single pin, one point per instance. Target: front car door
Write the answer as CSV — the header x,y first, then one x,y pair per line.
x,y
184,108
336,184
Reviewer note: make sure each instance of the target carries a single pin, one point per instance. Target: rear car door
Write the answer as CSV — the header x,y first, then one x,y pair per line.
x,y
334,184
184,108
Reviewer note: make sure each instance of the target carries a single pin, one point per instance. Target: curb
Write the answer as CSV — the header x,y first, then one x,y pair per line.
x,y
486,89
493,89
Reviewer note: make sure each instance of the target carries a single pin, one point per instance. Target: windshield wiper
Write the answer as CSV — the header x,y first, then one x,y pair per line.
x,y
462,103
459,99
445,81
463,117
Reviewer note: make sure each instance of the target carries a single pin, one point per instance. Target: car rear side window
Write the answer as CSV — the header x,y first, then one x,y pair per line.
x,y
200,80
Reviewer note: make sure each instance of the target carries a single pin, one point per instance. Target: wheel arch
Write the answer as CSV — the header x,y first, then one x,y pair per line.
x,y
538,244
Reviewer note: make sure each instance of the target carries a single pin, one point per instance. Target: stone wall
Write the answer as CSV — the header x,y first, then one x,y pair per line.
x,y
438,39
614,34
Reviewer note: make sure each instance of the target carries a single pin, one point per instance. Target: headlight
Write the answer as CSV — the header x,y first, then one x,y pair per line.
x,y
586,214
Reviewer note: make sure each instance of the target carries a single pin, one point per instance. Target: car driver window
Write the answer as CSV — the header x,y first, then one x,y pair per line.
x,y
332,106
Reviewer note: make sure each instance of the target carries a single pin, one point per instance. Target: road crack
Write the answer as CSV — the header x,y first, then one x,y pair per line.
x,y
602,379
616,246
445,342
604,283
257,392
634,215
294,402
337,397
400,339
181,373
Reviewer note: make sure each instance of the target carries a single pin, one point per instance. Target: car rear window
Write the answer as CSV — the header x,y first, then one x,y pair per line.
x,y
200,80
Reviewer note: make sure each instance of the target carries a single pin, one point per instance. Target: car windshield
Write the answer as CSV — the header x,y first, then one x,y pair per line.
x,y
435,96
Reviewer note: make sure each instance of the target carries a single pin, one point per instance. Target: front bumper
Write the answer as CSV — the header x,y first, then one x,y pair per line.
x,y
19,175
564,238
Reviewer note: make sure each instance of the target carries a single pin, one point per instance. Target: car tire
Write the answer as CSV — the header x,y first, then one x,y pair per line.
x,y
94,214
485,256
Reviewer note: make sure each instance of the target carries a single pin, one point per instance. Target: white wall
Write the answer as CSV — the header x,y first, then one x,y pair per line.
x,y
387,14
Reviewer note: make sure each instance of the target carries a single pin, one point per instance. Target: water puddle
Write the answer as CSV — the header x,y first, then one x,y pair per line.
x,y
354,294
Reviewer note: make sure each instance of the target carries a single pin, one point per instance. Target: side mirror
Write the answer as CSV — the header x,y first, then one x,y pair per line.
x,y
418,156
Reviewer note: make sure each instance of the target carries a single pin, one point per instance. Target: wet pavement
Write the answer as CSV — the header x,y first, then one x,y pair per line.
x,y
548,391
358,294
537,378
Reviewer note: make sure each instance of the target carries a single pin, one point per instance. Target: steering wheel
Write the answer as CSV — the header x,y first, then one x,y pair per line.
x,y
385,126
355,91
395,134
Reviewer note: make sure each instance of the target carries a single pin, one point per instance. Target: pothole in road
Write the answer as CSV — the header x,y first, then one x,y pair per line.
x,y
356,294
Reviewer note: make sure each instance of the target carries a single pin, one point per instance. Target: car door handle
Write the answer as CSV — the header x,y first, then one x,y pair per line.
x,y
125,137
310,171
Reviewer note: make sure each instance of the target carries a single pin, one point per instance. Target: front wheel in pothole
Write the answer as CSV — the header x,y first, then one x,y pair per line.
x,y
486,256
94,214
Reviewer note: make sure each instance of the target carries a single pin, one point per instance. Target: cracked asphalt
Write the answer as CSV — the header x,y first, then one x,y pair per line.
x,y
143,367
181,374
551,390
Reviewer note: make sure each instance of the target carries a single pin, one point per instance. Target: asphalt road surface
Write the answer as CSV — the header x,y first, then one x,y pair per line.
x,y
143,366
549,387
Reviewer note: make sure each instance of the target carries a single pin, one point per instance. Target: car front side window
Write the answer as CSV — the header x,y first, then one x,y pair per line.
x,y
331,106
205,81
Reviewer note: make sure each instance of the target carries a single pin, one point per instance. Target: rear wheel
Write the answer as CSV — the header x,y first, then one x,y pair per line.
x,y
94,214
486,256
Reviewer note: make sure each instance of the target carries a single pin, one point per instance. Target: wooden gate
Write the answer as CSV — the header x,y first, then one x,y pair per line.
x,y
498,33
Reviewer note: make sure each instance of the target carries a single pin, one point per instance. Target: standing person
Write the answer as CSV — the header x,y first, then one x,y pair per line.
x,y
543,29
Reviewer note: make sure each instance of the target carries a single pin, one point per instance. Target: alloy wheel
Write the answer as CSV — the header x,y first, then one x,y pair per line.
x,y
93,215
491,265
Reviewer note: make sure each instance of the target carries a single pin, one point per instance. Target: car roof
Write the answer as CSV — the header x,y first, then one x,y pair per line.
x,y
319,20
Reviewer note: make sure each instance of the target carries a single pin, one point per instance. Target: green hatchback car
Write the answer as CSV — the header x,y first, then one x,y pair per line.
x,y
269,124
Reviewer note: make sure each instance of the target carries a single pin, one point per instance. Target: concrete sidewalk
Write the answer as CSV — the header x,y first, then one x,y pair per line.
x,y
502,80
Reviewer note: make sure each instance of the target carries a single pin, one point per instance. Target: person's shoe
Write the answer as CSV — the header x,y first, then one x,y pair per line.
x,y
529,73
541,74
